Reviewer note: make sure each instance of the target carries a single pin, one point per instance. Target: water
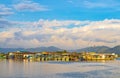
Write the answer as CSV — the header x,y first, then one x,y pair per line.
x,y
27,69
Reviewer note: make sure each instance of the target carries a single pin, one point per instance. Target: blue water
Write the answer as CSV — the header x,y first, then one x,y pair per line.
x,y
30,69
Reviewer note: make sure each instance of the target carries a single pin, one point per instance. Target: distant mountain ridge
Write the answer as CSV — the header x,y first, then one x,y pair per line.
x,y
115,49
98,49
101,49
38,49
93,49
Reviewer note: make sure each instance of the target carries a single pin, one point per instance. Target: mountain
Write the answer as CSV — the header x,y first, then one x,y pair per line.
x,y
102,49
5,50
115,49
38,49
93,49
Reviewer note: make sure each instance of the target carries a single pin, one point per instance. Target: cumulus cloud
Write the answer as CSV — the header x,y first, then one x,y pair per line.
x,y
4,23
60,24
5,11
66,34
29,6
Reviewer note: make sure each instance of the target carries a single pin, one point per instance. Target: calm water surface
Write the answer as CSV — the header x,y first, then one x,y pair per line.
x,y
25,69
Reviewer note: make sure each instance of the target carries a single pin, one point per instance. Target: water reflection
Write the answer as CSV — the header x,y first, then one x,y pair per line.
x,y
31,69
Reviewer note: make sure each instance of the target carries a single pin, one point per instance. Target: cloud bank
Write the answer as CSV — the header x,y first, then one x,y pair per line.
x,y
66,34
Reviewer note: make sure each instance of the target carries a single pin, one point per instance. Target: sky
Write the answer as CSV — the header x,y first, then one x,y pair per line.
x,y
66,24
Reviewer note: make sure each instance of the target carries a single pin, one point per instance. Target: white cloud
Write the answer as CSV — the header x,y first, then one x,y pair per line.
x,y
107,5
5,11
89,4
60,24
4,23
67,34
29,6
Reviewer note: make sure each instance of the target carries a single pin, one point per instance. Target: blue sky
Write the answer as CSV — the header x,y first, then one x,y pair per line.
x,y
63,9
51,22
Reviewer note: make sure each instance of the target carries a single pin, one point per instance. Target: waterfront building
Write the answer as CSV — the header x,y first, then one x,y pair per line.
x,y
11,55
20,55
99,56
61,56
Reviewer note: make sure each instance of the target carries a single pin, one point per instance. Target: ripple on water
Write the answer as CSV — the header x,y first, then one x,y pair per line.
x,y
12,69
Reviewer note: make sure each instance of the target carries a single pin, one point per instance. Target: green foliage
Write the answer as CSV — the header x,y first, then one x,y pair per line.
x,y
2,56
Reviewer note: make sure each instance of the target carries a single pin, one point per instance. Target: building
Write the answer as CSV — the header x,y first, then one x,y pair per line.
x,y
99,56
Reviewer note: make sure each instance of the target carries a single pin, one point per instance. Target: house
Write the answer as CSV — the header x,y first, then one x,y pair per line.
x,y
28,55
11,55
99,56
21,55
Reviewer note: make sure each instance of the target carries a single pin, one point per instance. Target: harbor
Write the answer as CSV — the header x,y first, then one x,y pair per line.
x,y
59,56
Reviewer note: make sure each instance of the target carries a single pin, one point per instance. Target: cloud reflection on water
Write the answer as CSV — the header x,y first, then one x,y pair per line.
x,y
30,69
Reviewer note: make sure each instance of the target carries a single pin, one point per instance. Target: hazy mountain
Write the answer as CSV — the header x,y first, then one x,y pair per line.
x,y
38,49
5,50
102,49
115,49
94,49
